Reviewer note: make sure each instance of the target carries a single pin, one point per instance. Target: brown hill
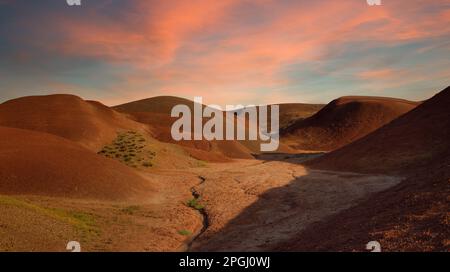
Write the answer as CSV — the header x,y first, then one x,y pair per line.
x,y
89,123
213,151
288,114
158,104
155,112
412,216
415,139
35,163
343,121
293,112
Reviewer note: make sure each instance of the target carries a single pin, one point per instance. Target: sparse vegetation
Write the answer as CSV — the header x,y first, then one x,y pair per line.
x,y
193,203
83,222
185,232
201,163
130,148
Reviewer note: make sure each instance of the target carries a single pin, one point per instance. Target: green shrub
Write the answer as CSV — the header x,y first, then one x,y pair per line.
x,y
193,203
127,150
184,232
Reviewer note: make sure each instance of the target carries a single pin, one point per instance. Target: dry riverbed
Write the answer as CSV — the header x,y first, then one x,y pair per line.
x,y
253,206
239,206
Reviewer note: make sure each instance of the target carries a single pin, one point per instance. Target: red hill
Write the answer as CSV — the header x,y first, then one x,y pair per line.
x,y
34,163
343,121
86,122
412,216
415,139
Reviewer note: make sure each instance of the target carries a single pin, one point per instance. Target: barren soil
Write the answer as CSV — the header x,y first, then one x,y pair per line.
x,y
252,206
243,205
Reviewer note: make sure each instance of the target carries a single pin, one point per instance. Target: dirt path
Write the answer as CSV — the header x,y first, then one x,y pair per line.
x,y
254,205
201,210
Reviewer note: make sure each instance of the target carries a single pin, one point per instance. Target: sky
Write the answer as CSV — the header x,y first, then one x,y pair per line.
x,y
228,51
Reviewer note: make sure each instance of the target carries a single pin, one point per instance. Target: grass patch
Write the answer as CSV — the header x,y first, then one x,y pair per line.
x,y
82,222
201,163
184,232
131,149
193,203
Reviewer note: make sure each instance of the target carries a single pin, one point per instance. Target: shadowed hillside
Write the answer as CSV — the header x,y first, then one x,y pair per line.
x,y
293,112
412,216
343,121
415,139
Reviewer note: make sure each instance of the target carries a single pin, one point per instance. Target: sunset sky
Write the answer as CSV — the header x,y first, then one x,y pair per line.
x,y
228,51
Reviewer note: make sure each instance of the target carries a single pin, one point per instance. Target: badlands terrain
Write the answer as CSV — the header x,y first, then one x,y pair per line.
x,y
355,170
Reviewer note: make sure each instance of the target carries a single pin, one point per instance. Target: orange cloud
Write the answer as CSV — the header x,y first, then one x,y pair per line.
x,y
208,47
149,42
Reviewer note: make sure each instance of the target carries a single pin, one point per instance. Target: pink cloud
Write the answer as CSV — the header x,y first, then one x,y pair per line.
x,y
200,46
